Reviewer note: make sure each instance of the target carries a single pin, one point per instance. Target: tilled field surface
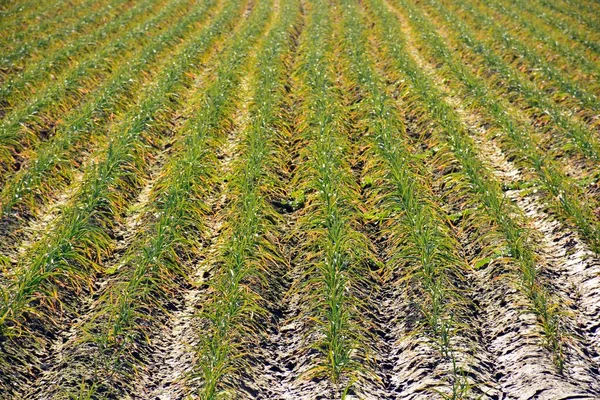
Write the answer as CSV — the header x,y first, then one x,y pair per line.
x,y
299,199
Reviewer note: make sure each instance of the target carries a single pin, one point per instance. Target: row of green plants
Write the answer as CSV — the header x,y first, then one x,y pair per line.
x,y
18,89
27,46
555,108
10,11
423,248
524,146
576,7
566,197
31,122
20,20
500,212
22,16
51,167
155,264
551,118
515,49
570,21
235,313
540,34
580,10
555,65
70,252
333,251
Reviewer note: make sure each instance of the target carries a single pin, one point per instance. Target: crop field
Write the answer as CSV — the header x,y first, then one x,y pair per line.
x,y
299,199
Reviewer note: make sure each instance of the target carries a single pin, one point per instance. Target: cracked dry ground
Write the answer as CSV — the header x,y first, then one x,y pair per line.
x,y
299,199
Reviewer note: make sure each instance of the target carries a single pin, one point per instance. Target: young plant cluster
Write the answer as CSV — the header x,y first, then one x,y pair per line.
x,y
578,22
81,237
423,249
523,56
333,250
235,313
295,199
567,198
552,40
33,44
480,180
84,128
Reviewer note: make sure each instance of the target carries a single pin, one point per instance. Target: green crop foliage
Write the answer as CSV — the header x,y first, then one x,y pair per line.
x,y
33,44
566,196
424,250
568,21
234,310
18,89
333,249
21,125
536,102
51,166
81,236
539,33
483,185
224,199
482,22
22,17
